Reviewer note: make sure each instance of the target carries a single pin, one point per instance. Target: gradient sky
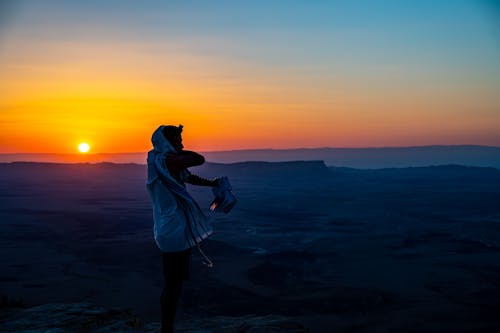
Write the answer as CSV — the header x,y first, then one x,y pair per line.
x,y
248,74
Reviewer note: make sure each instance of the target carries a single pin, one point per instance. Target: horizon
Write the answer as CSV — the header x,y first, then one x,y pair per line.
x,y
329,74
257,149
364,158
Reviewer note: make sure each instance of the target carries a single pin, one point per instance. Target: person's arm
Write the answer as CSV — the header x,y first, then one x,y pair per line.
x,y
197,180
183,160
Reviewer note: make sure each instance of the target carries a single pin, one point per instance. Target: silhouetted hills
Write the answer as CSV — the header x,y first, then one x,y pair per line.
x,y
135,174
69,169
365,158
372,158
120,172
429,173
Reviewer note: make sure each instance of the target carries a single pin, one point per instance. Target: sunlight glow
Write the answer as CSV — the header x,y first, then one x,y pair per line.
x,y
83,147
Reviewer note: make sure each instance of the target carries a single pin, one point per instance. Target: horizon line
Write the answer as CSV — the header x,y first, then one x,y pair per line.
x,y
261,149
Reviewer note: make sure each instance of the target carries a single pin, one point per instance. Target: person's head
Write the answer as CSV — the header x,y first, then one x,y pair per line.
x,y
174,135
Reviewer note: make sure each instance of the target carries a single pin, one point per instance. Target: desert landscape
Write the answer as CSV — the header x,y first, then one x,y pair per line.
x,y
337,249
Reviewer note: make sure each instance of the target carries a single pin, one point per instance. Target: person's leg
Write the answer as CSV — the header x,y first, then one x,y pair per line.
x,y
175,271
169,297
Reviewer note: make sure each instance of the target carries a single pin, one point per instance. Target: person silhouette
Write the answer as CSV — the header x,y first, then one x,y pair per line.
x,y
179,223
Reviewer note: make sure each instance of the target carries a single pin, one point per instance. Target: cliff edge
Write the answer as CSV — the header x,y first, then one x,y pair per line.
x,y
86,317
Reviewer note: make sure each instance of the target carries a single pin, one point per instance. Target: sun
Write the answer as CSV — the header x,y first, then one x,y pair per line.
x,y
83,147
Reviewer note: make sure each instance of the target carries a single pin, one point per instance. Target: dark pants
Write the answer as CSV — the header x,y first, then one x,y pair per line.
x,y
176,266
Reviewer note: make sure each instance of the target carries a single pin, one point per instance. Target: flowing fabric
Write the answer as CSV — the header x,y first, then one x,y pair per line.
x,y
179,223
224,199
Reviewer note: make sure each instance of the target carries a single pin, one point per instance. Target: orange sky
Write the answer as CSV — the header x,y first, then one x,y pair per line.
x,y
60,88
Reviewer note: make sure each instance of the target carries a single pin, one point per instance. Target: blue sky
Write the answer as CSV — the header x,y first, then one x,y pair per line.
x,y
429,71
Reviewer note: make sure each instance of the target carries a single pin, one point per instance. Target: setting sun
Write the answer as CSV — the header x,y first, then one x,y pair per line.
x,y
83,147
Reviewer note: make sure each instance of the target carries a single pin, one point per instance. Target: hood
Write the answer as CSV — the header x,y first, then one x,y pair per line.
x,y
160,142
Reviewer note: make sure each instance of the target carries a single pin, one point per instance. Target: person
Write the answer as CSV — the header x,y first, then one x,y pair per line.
x,y
179,223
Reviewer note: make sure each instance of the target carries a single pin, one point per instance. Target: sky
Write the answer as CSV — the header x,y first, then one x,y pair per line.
x,y
248,74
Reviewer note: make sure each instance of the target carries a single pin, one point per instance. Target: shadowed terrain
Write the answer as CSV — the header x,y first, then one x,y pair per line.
x,y
338,249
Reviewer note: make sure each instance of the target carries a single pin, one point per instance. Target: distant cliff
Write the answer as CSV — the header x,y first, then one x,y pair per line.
x,y
61,172
371,158
365,158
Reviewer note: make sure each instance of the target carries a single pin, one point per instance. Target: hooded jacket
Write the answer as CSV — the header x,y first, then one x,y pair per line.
x,y
179,222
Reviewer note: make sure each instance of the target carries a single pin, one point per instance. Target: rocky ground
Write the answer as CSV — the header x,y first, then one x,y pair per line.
x,y
86,317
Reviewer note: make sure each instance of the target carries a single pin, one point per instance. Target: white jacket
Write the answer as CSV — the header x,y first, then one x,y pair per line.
x,y
179,222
